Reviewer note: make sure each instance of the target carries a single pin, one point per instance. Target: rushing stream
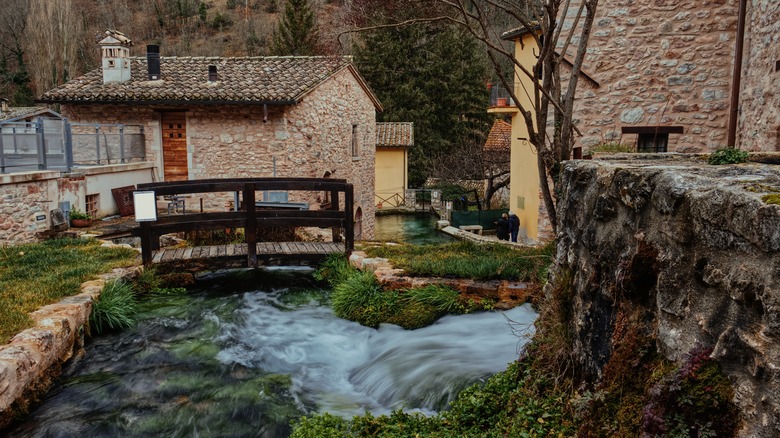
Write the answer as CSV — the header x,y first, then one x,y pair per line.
x,y
249,352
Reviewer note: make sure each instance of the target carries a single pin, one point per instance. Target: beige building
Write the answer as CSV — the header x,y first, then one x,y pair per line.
x,y
218,117
659,76
393,140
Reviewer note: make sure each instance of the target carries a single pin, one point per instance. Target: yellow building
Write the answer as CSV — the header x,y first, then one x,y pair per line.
x,y
524,199
393,140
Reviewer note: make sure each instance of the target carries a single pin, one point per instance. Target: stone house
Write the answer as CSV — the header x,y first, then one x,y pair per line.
x,y
218,117
660,77
393,140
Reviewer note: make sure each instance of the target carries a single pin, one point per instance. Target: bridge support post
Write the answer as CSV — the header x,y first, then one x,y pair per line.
x,y
250,228
146,243
334,205
349,226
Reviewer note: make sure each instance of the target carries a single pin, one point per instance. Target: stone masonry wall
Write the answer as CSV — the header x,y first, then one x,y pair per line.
x,y
660,62
759,121
696,249
24,201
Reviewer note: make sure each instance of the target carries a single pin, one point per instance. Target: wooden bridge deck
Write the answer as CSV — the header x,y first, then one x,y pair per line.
x,y
264,250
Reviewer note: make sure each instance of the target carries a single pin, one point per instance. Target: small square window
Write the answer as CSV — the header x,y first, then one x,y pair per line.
x,y
355,142
111,63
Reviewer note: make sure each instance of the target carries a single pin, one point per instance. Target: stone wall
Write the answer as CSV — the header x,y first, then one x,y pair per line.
x,y
27,199
310,139
759,121
663,62
696,248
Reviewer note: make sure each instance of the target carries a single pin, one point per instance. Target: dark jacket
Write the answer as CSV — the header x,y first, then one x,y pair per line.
x,y
502,231
514,223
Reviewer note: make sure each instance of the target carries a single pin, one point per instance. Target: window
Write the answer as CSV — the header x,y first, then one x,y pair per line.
x,y
652,138
92,204
652,142
110,63
355,142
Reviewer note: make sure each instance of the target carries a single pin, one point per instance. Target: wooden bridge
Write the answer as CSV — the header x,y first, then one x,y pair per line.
x,y
251,216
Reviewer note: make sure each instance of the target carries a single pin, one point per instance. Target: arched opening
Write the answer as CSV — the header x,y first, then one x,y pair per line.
x,y
359,224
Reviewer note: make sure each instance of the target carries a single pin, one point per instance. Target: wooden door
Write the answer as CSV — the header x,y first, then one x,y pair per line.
x,y
174,145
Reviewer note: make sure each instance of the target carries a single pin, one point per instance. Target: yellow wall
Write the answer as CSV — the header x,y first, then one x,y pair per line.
x,y
524,178
390,175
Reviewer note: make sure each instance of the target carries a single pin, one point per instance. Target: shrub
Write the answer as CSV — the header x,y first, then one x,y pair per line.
x,y
116,308
727,156
75,213
360,298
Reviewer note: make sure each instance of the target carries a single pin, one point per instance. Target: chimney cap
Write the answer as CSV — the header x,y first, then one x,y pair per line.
x,y
116,37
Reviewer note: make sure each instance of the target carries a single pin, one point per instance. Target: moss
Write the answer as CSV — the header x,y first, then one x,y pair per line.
x,y
772,199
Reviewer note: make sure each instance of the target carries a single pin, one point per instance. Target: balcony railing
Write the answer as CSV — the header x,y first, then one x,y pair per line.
x,y
54,144
499,97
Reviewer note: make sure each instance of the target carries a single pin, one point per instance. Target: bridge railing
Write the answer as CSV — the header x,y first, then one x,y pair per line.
x,y
250,217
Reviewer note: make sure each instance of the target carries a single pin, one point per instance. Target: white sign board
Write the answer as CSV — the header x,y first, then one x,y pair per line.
x,y
145,206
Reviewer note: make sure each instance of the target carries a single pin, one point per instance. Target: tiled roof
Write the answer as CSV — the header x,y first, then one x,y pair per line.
x,y
500,137
18,112
395,134
185,80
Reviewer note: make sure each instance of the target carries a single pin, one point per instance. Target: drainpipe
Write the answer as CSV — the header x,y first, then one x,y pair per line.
x,y
736,84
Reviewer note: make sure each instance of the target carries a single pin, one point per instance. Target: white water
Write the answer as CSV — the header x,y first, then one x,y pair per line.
x,y
346,369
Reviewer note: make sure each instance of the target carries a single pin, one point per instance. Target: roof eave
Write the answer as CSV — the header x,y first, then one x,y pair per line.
x,y
170,102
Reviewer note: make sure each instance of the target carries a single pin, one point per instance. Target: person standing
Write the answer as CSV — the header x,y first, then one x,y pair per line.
x,y
514,225
502,230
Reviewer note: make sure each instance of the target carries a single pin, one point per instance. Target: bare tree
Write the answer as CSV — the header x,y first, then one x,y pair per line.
x,y
471,161
54,34
560,29
13,72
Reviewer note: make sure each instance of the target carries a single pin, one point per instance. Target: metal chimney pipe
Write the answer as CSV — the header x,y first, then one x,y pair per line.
x,y
213,73
153,62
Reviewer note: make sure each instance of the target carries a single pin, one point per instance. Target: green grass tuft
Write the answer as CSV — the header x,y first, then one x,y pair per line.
x,y
115,309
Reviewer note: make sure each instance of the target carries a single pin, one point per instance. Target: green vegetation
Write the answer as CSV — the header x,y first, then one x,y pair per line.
x,y
116,307
34,275
772,198
613,147
359,297
469,260
296,33
438,82
727,156
78,214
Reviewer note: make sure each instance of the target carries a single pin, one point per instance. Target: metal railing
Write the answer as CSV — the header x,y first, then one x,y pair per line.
x,y
57,144
499,97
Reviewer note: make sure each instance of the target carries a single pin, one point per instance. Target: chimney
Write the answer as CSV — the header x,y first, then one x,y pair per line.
x,y
115,48
213,73
153,61
5,105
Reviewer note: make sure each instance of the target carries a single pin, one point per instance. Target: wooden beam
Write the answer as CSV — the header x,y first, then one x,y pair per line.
x,y
250,229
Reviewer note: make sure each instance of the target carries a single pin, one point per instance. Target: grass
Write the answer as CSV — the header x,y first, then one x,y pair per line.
x,y
613,148
469,260
34,275
116,307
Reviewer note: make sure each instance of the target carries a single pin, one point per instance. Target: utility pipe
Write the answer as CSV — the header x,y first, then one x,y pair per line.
x,y
737,82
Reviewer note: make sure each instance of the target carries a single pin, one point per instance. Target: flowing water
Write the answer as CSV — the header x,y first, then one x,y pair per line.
x,y
415,229
251,351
